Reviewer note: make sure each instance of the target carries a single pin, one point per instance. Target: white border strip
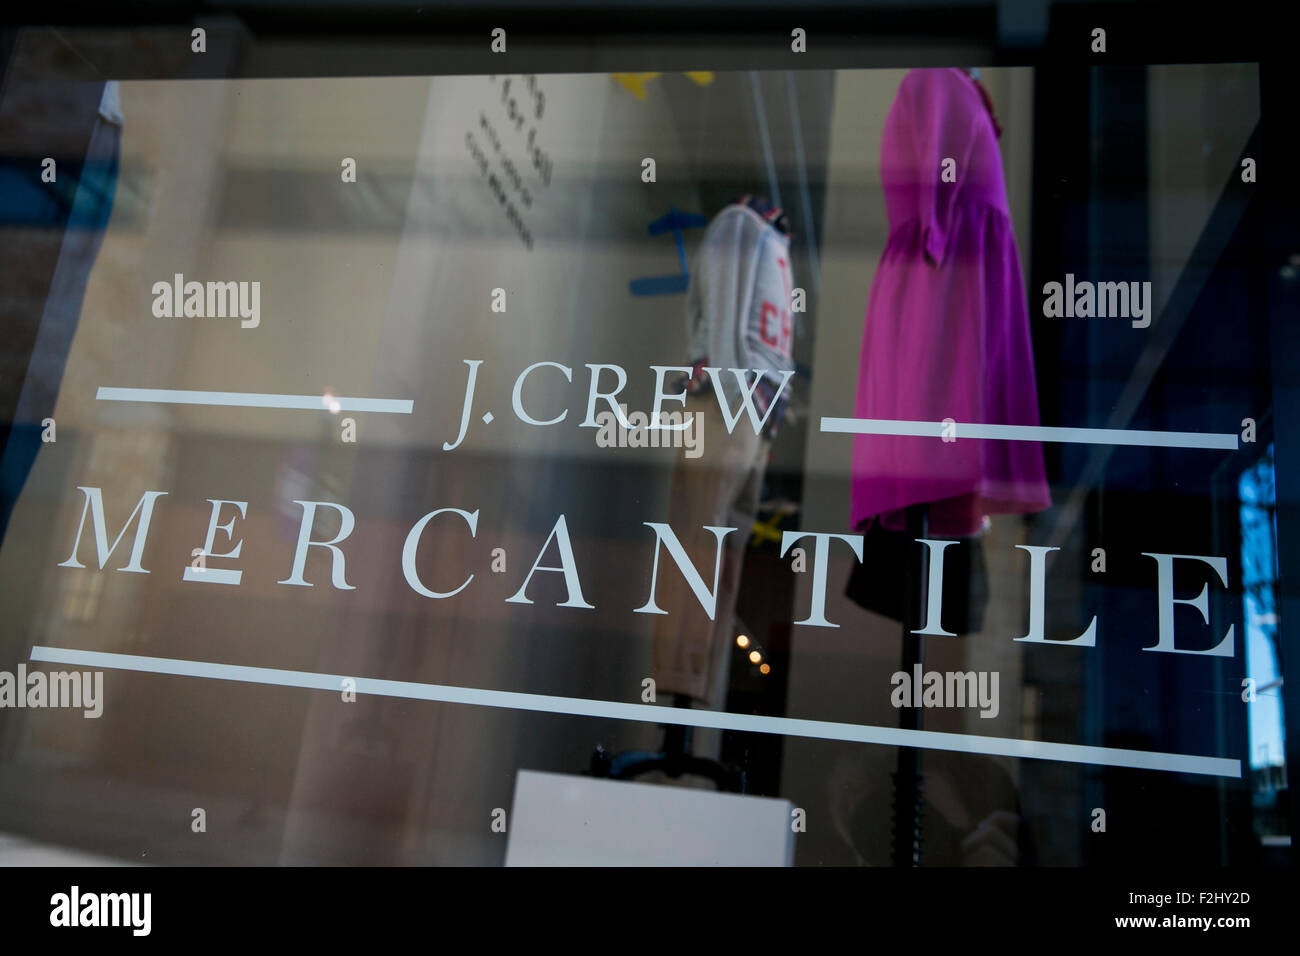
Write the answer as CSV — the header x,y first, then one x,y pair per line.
x,y
790,726
186,396
1078,436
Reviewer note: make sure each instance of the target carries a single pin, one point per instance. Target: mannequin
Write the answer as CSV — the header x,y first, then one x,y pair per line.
x,y
947,327
738,315
946,337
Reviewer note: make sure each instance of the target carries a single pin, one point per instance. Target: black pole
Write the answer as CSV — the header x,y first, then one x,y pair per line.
x,y
907,778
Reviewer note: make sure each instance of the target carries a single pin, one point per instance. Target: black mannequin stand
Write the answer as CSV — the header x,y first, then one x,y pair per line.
x,y
675,759
908,796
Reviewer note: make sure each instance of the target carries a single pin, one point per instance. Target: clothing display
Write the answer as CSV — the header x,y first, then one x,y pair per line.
x,y
426,464
879,581
720,488
738,316
947,326
738,305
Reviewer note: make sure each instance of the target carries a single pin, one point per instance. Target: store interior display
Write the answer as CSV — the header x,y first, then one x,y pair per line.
x,y
722,436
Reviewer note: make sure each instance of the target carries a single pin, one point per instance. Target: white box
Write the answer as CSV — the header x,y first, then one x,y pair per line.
x,y
565,820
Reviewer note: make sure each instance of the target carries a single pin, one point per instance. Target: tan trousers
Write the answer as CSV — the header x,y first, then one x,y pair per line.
x,y
720,488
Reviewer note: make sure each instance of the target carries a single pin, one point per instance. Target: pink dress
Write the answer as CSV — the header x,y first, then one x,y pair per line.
x,y
947,330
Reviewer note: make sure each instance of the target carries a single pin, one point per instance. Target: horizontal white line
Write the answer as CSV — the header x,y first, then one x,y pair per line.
x,y
790,726
1078,436
186,396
